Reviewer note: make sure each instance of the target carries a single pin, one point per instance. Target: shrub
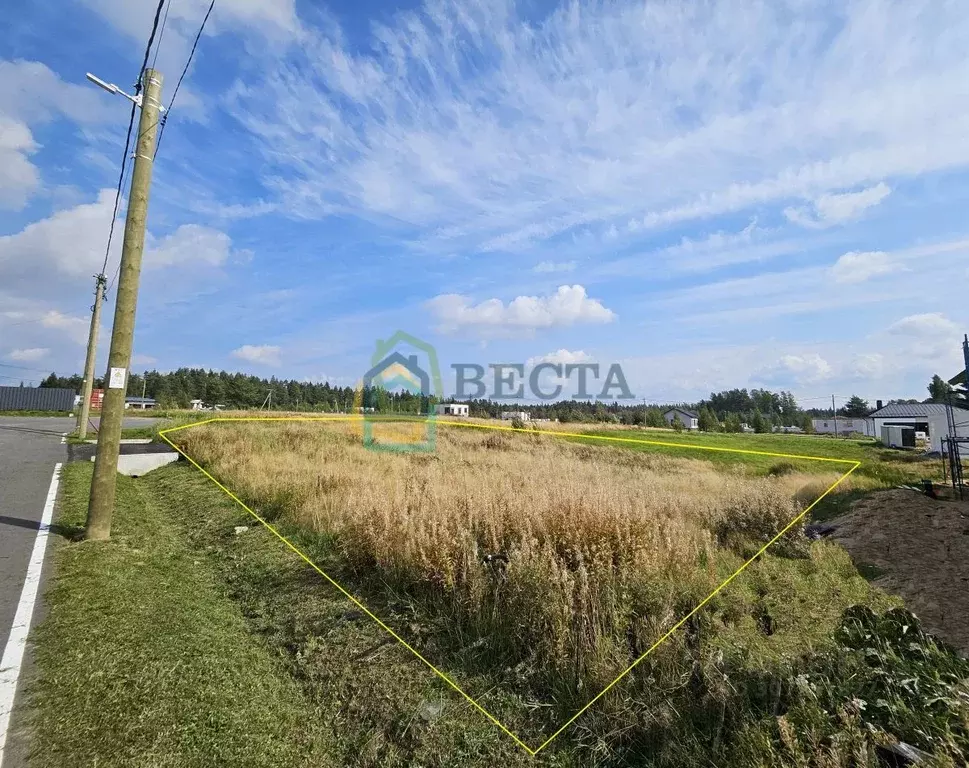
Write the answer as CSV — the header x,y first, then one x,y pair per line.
x,y
781,468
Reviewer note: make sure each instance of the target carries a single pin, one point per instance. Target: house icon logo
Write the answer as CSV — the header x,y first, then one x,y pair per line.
x,y
393,372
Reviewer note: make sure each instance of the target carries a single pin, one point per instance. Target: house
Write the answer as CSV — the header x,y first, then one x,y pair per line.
x,y
197,405
689,419
930,418
140,403
843,426
788,430
451,409
512,415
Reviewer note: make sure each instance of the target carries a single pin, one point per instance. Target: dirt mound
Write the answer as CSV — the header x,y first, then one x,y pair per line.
x,y
920,548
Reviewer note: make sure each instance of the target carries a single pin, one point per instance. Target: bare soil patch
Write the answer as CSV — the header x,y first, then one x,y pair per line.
x,y
920,547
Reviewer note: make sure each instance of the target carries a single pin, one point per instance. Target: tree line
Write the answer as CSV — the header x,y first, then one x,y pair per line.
x,y
728,410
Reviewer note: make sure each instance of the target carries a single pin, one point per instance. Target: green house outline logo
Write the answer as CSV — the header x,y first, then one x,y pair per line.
x,y
386,355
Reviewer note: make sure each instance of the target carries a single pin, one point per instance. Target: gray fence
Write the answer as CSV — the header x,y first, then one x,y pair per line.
x,y
36,399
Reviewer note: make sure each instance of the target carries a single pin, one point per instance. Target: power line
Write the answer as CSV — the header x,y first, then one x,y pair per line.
x,y
24,368
161,34
127,141
181,77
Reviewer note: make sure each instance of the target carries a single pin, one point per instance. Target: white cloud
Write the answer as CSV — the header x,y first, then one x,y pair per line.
x,y
262,354
611,116
831,209
561,357
569,305
31,94
807,368
274,20
47,257
74,328
28,355
190,244
837,208
926,325
867,366
19,179
855,267
549,267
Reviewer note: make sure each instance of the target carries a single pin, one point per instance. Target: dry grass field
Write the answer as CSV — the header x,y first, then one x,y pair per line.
x,y
571,555
537,568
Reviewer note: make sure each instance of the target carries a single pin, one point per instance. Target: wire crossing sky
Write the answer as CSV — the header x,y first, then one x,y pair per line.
x,y
715,195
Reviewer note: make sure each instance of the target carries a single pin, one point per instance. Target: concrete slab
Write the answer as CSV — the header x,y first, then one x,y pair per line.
x,y
138,464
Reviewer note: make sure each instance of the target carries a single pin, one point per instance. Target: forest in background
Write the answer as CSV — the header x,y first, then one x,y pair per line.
x,y
762,409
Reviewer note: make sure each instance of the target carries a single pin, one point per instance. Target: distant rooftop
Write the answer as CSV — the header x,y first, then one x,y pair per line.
x,y
687,411
914,410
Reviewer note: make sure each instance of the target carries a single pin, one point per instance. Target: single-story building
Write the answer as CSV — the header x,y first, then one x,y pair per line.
x,y
788,430
843,425
512,415
930,418
140,403
451,409
689,419
36,399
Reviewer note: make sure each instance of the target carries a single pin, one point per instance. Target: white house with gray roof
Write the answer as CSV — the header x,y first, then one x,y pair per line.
x,y
689,419
931,418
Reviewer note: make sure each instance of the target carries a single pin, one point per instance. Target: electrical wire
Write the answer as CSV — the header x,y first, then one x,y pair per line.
x,y
23,368
161,34
181,77
131,123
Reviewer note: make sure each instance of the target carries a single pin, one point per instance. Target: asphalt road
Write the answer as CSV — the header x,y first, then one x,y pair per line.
x,y
29,448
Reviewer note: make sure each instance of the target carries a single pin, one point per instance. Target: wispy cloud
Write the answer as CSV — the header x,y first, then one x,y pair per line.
x,y
854,267
832,209
552,267
30,354
486,130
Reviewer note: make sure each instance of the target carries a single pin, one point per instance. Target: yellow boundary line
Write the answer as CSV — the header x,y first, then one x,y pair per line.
x,y
533,752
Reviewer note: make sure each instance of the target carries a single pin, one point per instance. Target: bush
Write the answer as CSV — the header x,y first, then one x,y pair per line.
x,y
517,423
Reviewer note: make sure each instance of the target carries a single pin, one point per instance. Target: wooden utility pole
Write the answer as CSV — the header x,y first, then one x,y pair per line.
x,y
834,411
103,485
92,353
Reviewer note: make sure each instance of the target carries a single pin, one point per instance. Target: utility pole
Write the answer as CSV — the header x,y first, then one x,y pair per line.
x,y
104,482
834,410
92,353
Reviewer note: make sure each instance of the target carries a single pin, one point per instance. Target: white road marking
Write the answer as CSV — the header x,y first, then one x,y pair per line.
x,y
13,654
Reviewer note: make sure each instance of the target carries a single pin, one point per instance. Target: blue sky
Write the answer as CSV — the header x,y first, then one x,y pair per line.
x,y
715,194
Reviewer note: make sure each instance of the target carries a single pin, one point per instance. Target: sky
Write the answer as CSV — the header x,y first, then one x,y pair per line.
x,y
760,193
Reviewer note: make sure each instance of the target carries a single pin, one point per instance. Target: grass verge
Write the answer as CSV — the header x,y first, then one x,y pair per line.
x,y
144,661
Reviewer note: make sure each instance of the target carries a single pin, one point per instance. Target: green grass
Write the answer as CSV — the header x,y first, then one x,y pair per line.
x,y
183,643
35,413
129,433
144,661
180,643
886,468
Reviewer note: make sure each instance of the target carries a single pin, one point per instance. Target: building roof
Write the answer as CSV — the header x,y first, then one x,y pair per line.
x,y
691,414
913,410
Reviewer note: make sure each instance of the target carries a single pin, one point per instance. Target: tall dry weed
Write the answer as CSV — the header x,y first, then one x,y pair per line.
x,y
570,556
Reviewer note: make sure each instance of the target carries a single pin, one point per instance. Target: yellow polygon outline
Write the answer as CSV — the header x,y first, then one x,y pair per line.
x,y
533,752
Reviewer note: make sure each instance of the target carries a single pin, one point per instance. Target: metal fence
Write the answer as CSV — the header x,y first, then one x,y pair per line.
x,y
36,399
